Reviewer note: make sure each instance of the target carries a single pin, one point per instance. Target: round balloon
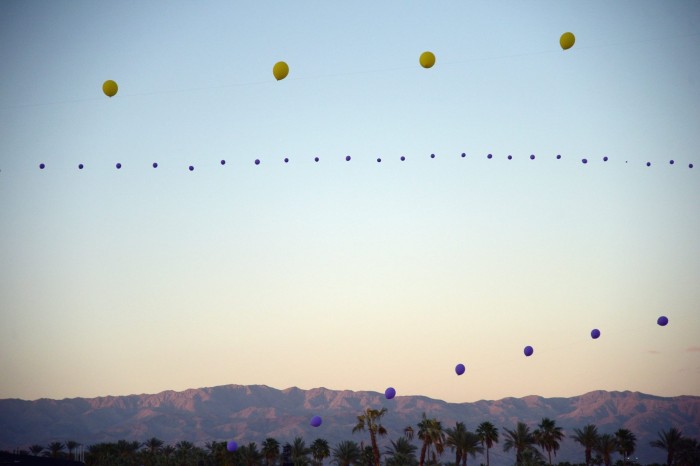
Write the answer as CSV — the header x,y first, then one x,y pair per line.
x,y
427,59
663,321
42,166
110,88
347,158
390,393
280,70
528,351
595,333
316,421
155,164
231,446
459,369
567,40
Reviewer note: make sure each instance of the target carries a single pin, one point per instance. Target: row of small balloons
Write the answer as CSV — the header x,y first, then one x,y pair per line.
x,y
460,369
280,70
348,158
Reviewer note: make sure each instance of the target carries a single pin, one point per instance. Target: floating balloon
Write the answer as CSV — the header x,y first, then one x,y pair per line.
x,y
231,446
257,161
316,421
80,166
155,164
528,351
510,157
584,160
558,156
191,168
404,158
110,88
459,369
316,159
595,333
280,70
567,40
432,156
662,321
605,159
119,165
347,158
379,160
690,165
463,155
532,156
286,160
42,166
489,156
390,393
671,162
427,59
648,164
223,162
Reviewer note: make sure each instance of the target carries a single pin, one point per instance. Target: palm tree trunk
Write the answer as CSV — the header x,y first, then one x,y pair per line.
x,y
549,454
421,462
487,455
375,448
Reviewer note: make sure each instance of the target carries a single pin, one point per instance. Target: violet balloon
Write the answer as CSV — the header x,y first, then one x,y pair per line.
x,y
528,351
316,421
231,446
595,333
662,321
390,393
155,165
459,369
42,166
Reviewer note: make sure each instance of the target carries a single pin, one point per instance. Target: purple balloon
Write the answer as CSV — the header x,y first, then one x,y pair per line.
x,y
605,159
432,156
286,160
558,156
155,165
532,157
379,159
347,158
463,155
459,369
690,165
404,158
257,161
223,162
80,166
528,351
584,160
42,166
648,164
595,333
119,165
316,421
231,446
490,156
671,162
510,157
390,393
662,321
316,159
191,168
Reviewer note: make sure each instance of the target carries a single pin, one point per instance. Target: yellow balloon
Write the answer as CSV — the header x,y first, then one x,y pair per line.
x,y
110,88
567,40
280,70
427,59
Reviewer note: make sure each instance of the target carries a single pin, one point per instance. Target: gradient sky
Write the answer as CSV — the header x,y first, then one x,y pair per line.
x,y
349,275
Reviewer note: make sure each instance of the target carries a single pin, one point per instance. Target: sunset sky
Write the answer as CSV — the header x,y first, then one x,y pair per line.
x,y
349,274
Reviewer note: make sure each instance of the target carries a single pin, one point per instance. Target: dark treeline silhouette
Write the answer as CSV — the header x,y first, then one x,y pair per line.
x,y
425,444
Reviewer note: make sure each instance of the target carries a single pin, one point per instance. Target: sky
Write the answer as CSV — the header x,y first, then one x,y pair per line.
x,y
356,274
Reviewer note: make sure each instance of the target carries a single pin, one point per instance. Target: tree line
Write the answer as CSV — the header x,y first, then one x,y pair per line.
x,y
529,447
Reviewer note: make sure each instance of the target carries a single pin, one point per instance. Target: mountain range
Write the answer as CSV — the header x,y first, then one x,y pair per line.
x,y
250,413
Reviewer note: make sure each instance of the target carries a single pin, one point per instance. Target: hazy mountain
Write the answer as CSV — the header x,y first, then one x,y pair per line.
x,y
252,413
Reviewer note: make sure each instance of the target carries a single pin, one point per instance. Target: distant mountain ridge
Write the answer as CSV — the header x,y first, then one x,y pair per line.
x,y
250,413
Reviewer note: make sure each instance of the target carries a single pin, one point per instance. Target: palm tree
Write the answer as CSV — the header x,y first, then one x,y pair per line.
x,y
249,455
346,453
431,434
520,440
463,442
669,441
626,442
370,420
588,438
270,450
36,450
55,449
548,435
299,452
607,444
217,452
401,453
488,434
320,450
71,445
688,452
366,456
184,451
153,445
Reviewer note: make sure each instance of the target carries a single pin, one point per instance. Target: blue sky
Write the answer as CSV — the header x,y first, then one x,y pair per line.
x,y
349,274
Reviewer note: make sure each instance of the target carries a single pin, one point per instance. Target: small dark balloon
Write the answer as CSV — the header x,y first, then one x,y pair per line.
x,y
191,168
231,446
662,321
463,155
223,162
595,333
390,393
155,165
432,156
316,421
558,156
648,164
80,166
42,166
584,160
532,157
286,160
404,158
671,162
528,351
119,165
490,156
605,159
690,165
510,157
257,161
459,369
379,160
347,158
316,159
